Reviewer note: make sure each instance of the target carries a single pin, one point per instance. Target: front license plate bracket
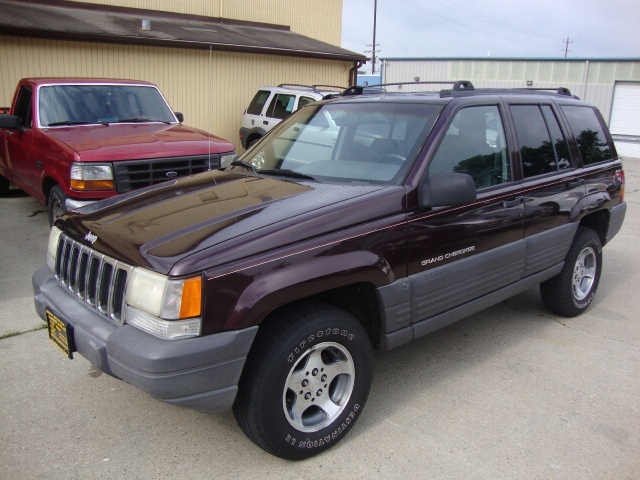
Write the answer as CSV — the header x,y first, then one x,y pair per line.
x,y
61,334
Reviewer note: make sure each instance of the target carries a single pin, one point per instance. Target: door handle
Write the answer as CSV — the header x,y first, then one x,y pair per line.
x,y
512,203
264,122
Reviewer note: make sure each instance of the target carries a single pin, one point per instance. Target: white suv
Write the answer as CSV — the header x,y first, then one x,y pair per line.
x,y
271,104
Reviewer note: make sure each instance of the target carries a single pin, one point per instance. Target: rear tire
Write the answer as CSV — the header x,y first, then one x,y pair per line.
x,y
56,204
306,381
571,292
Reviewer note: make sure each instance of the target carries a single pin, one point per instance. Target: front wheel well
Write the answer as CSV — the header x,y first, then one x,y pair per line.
x,y
358,299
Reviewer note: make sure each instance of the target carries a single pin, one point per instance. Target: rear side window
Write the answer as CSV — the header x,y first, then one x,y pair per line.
x,y
260,98
543,148
589,134
281,106
305,101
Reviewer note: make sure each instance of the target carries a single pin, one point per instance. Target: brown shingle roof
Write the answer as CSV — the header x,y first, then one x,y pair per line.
x,y
100,23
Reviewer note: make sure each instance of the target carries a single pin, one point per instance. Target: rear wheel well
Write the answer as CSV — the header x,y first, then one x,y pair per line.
x,y
598,222
359,299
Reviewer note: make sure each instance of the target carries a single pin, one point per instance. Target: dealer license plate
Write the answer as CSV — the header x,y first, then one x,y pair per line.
x,y
61,333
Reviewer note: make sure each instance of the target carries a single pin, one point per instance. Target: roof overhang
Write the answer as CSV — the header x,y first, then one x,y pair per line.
x,y
65,20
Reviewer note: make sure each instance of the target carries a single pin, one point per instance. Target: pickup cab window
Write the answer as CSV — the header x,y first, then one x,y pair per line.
x,y
23,107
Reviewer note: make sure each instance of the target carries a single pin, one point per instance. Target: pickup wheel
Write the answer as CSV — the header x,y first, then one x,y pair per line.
x,y
572,290
56,203
4,186
305,382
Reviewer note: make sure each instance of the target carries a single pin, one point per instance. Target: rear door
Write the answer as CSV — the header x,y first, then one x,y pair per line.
x,y
552,183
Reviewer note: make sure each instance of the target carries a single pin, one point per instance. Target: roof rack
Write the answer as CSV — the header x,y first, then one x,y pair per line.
x,y
313,88
460,85
460,88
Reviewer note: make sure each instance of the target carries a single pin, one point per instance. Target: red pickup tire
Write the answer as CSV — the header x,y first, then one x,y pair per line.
x,y
4,186
56,203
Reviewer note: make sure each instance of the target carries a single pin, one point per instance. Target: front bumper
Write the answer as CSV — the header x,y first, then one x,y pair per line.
x,y
200,373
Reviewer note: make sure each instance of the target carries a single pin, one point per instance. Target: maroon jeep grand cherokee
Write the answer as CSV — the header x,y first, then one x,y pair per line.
x,y
362,221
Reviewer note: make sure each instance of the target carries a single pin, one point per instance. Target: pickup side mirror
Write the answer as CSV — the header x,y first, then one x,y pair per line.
x,y
179,116
12,122
447,190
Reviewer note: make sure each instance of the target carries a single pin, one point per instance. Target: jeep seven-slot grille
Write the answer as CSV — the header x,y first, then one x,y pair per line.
x,y
95,279
131,175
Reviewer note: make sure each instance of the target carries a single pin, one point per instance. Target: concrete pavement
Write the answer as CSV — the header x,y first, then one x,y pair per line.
x,y
513,392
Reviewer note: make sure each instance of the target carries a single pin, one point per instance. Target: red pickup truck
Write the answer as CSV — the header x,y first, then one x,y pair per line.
x,y
68,141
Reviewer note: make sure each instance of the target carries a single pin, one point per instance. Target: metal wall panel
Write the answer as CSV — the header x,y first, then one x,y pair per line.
x,y
319,19
212,89
591,80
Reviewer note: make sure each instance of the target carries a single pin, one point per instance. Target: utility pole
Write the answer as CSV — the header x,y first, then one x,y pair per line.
x,y
566,41
373,47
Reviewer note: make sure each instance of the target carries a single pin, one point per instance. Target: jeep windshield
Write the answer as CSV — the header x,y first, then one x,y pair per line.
x,y
65,105
345,142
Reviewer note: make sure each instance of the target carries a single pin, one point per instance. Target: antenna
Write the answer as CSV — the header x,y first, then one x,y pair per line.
x,y
210,88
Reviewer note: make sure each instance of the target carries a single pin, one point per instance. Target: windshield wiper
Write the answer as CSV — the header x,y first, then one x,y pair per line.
x,y
243,164
287,173
75,122
141,120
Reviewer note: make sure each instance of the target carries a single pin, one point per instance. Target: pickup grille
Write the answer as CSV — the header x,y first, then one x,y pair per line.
x,y
131,175
95,279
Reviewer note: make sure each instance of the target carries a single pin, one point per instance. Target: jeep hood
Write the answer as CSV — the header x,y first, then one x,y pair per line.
x,y
113,142
215,218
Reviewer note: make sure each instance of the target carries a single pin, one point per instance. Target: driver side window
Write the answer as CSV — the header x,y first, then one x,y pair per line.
x,y
475,144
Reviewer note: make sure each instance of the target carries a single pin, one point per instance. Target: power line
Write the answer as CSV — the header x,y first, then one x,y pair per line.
x,y
466,11
474,28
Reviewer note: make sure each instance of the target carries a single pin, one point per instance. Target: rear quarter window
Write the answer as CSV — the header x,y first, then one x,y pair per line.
x,y
589,134
257,104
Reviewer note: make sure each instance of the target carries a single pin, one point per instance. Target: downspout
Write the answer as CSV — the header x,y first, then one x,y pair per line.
x,y
353,73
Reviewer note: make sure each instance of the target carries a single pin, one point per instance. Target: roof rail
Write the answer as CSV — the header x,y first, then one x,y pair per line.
x,y
313,88
558,90
379,87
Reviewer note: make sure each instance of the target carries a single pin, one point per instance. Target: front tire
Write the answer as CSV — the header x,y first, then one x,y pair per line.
x,y
306,382
56,204
571,292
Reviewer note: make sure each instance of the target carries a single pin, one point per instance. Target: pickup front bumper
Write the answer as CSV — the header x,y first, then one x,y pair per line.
x,y
200,373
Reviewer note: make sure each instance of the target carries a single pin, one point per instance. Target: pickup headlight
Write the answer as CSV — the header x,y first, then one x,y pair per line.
x,y
92,177
226,159
166,308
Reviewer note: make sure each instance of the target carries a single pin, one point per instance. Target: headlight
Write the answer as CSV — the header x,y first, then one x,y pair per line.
x,y
52,249
164,307
226,159
91,177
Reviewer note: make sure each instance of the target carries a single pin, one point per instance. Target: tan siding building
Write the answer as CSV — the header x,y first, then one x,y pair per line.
x,y
210,81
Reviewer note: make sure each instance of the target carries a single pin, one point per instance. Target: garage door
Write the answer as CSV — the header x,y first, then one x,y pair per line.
x,y
625,119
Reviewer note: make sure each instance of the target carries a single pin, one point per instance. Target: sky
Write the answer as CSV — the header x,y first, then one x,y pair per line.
x,y
494,28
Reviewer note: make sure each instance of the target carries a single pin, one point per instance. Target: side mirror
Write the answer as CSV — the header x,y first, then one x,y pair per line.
x,y
179,116
11,122
447,190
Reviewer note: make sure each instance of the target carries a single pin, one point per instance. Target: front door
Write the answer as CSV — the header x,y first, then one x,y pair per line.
x,y
458,254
